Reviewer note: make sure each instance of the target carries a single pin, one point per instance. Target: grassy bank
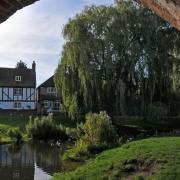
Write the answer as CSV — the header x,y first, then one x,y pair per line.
x,y
20,121
154,158
7,122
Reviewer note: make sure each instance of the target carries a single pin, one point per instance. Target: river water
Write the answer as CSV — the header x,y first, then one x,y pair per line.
x,y
32,161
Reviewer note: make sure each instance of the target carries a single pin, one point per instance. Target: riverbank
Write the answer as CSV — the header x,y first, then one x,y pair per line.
x,y
153,158
8,122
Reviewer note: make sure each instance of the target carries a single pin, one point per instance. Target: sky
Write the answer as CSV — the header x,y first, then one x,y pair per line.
x,y
35,34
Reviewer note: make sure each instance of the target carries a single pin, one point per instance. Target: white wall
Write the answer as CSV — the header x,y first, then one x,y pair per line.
x,y
27,100
24,105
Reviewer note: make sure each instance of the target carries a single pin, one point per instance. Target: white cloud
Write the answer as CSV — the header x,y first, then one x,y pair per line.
x,y
35,33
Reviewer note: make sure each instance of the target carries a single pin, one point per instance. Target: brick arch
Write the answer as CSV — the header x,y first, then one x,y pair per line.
x,y
9,7
167,9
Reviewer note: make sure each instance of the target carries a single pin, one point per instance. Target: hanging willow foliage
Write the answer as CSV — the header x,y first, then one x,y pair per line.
x,y
117,58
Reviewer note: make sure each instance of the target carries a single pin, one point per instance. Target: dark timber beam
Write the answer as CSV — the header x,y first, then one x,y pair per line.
x,y
9,7
167,9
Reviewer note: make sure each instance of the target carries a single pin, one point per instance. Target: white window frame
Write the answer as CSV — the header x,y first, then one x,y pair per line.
x,y
18,78
51,90
17,105
18,91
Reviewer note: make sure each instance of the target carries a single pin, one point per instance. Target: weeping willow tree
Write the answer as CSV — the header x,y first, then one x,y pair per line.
x,y
115,58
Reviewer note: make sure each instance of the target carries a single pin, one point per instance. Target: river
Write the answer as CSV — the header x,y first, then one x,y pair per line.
x,y
31,161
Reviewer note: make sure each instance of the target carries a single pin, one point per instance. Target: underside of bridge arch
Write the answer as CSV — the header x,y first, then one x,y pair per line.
x,y
9,7
167,9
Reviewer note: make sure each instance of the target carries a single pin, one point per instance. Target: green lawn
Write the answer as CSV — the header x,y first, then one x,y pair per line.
x,y
11,121
154,158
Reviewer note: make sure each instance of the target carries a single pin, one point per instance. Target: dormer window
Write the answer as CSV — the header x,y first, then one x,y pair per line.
x,y
18,78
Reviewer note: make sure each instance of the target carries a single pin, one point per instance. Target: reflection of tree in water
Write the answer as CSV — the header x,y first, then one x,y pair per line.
x,y
16,163
47,157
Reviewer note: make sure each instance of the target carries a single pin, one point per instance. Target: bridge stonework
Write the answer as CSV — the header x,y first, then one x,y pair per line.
x,y
167,9
9,7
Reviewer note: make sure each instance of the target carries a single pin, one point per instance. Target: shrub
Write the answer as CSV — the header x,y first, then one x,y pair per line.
x,y
96,135
78,153
15,134
72,133
81,146
45,129
98,129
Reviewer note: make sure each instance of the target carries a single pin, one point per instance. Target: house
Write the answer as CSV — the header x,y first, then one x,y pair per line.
x,y
18,88
47,97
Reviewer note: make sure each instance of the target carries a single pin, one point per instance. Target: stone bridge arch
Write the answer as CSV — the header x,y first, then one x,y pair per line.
x,y
167,9
9,7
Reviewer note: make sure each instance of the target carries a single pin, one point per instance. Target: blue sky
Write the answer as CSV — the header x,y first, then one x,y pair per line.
x,y
35,34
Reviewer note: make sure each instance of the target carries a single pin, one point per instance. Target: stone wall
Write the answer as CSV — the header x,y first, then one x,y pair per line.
x,y
167,9
9,7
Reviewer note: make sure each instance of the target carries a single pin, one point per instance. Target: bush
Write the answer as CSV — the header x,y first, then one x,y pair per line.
x,y
45,129
81,147
96,135
72,133
15,134
98,129
78,153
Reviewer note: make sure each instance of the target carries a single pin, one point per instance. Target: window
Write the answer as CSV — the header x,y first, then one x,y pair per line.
x,y
51,90
46,104
56,105
17,91
18,78
17,105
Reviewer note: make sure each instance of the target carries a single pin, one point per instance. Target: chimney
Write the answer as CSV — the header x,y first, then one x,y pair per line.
x,y
34,66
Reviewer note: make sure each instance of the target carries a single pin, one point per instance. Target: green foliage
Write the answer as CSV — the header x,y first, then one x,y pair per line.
x,y
15,134
21,65
72,133
156,112
97,134
153,158
94,136
8,122
115,58
81,146
98,129
45,128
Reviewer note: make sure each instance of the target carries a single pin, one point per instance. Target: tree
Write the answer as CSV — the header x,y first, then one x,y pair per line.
x,y
116,58
21,65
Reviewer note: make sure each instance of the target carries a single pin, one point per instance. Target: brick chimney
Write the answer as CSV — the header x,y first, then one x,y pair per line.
x,y
34,66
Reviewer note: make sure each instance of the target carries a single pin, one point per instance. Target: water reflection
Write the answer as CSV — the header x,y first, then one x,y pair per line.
x,y
36,161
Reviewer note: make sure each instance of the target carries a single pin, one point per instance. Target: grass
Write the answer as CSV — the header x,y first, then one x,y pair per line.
x,y
7,122
12,121
154,158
